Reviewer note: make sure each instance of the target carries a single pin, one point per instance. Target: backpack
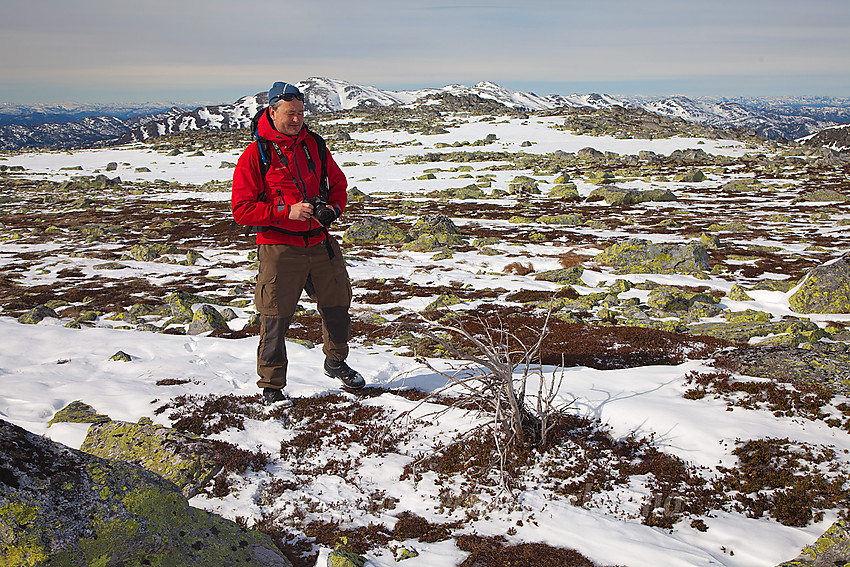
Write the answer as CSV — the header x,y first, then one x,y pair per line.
x,y
265,149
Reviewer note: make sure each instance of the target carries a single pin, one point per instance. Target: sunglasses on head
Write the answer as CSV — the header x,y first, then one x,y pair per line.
x,y
289,96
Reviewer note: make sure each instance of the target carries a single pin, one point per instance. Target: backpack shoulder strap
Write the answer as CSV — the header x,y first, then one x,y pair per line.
x,y
322,146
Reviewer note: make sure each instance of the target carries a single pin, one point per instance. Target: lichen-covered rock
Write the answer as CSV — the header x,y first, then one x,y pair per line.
x,y
355,195
59,506
565,191
827,364
618,196
523,185
825,289
121,356
342,558
573,219
148,252
738,293
674,299
823,195
562,275
638,256
184,459
692,176
830,549
434,224
37,315
443,302
372,230
741,185
207,318
78,412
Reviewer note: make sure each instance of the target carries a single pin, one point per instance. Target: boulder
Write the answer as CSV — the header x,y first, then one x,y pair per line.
x,y
825,289
372,230
822,196
562,275
36,315
830,549
618,196
565,191
184,459
638,256
59,506
207,318
78,412
434,224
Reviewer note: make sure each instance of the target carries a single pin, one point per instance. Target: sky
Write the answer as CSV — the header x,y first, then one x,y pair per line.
x,y
217,51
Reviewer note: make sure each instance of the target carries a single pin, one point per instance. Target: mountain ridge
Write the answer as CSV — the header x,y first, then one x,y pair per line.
x,y
783,117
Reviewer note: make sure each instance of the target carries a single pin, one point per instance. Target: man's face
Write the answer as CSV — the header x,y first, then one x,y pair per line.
x,y
289,116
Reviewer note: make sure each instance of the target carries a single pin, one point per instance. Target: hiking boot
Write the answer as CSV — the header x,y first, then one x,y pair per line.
x,y
341,371
276,396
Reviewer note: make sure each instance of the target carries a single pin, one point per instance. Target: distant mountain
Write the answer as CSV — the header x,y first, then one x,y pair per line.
x,y
789,118
88,132
20,114
836,138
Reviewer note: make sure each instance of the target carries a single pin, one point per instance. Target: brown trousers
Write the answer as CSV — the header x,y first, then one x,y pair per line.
x,y
284,270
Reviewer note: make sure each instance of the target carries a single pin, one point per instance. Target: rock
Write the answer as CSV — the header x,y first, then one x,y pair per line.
x,y
355,195
78,412
827,364
59,506
741,185
149,252
668,300
184,459
207,318
36,315
589,153
822,195
121,356
443,302
562,275
565,191
830,549
825,289
342,558
692,176
573,219
434,224
618,196
738,293
523,185
111,166
638,256
372,230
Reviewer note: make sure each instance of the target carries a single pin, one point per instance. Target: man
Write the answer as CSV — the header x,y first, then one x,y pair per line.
x,y
275,186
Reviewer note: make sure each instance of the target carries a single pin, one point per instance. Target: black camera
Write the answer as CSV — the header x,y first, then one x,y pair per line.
x,y
321,210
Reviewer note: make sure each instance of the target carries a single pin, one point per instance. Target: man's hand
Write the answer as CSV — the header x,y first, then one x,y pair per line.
x,y
301,211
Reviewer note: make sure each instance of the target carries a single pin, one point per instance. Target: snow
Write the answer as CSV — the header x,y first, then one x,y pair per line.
x,y
46,366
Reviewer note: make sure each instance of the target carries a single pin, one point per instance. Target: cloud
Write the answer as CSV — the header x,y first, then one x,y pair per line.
x,y
189,44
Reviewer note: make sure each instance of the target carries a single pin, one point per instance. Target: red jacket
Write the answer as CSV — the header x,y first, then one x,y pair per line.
x,y
255,199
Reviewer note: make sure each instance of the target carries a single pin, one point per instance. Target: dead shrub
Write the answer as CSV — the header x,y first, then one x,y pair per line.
x,y
518,269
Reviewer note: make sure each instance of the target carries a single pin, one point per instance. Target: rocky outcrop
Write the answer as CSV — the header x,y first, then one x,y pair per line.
x,y
618,196
373,230
826,289
638,256
432,233
830,549
827,364
184,459
59,506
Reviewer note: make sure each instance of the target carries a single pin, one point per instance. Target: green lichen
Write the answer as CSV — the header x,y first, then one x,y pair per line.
x,y
78,412
25,548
